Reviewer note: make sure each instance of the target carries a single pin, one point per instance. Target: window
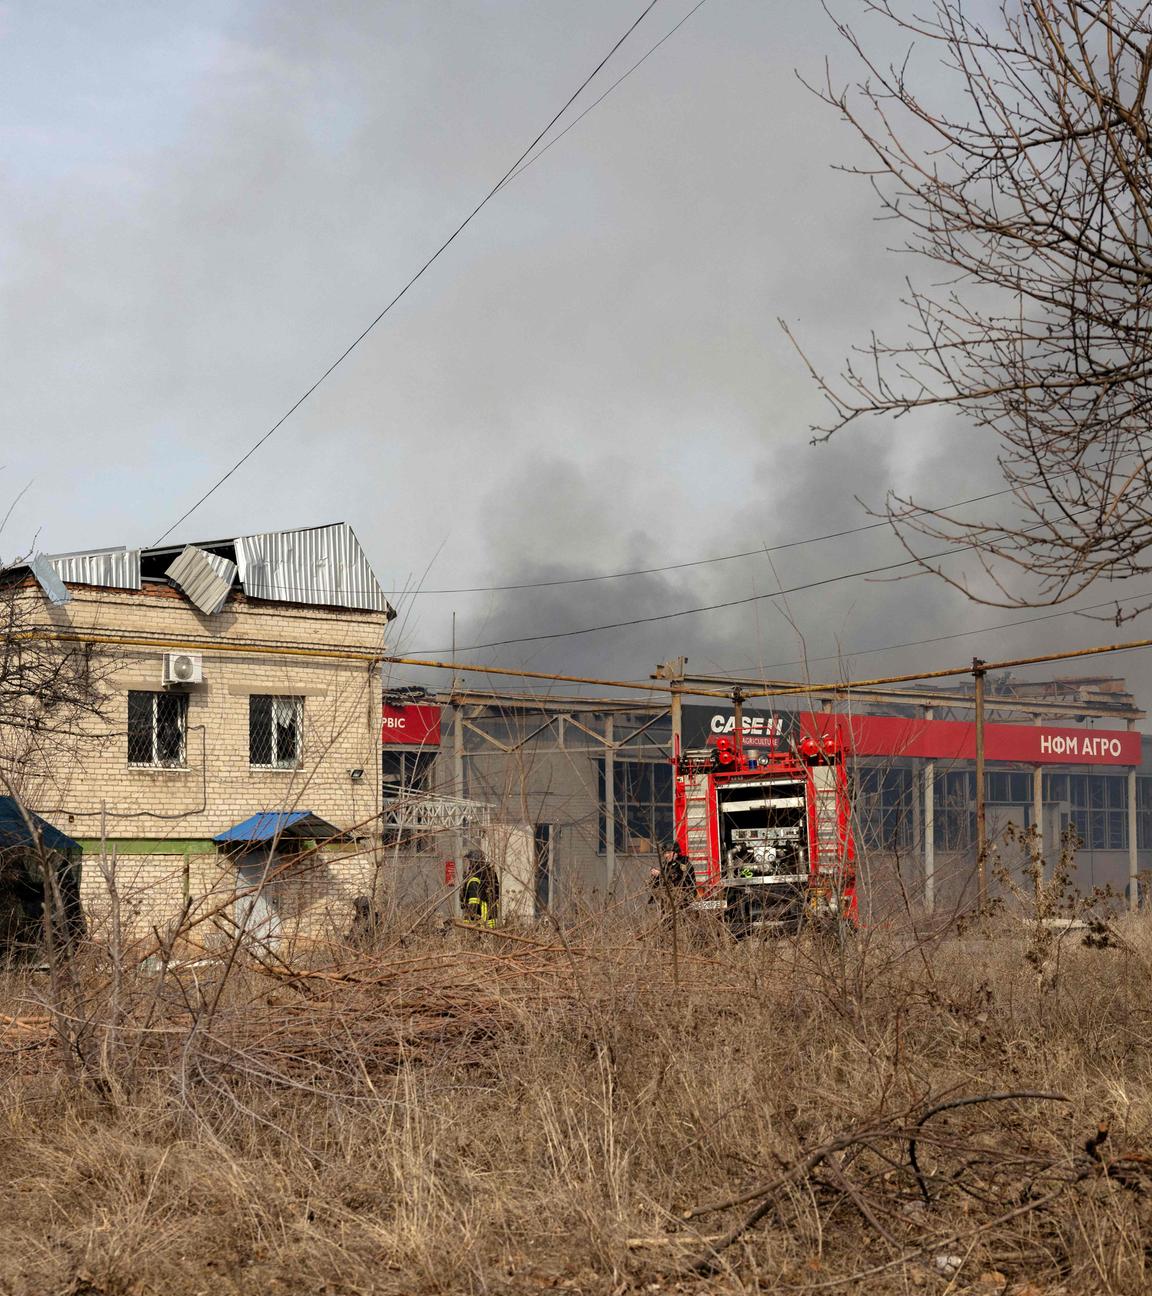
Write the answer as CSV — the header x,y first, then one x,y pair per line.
x,y
545,837
643,801
407,771
157,723
1144,813
274,725
955,802
1008,788
1099,810
884,807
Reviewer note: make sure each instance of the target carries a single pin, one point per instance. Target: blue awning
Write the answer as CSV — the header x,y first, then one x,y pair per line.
x,y
269,824
14,829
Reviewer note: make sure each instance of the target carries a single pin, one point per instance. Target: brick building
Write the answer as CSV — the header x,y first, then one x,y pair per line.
x,y
239,726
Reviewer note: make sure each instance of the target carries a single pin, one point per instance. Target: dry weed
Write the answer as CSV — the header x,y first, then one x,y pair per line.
x,y
475,1112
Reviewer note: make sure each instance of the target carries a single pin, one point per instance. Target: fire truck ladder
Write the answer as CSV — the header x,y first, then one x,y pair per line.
x,y
696,826
827,853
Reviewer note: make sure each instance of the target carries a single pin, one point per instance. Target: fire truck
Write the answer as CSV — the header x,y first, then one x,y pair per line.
x,y
768,833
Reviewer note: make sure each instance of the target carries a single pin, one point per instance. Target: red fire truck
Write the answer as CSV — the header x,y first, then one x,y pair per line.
x,y
768,832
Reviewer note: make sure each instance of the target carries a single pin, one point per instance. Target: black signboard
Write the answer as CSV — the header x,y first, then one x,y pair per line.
x,y
704,726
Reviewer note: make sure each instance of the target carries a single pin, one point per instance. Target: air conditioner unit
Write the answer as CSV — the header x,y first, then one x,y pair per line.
x,y
183,668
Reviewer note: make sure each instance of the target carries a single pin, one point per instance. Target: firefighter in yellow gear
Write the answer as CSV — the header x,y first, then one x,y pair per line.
x,y
480,895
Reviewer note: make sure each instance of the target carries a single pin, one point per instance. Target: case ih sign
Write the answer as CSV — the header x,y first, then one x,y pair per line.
x,y
704,726
956,740
417,725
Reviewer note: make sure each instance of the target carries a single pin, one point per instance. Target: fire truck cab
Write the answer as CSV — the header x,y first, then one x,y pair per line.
x,y
768,833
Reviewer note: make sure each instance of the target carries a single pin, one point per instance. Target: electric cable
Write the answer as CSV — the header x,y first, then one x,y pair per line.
x,y
596,102
958,634
704,562
413,280
729,603
707,607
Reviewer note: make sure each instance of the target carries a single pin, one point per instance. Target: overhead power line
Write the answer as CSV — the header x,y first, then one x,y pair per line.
x,y
918,561
600,98
707,607
463,225
958,634
702,562
781,689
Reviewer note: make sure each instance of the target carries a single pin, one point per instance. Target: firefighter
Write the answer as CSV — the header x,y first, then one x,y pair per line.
x,y
673,883
481,890
365,929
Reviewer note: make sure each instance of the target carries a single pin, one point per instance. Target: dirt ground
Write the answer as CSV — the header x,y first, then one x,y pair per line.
x,y
592,1108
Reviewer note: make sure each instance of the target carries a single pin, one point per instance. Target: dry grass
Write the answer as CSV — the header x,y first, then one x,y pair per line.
x,y
478,1113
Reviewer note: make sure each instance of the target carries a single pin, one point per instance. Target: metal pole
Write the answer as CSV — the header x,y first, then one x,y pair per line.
x,y
458,791
1133,860
738,719
981,820
610,803
1038,824
929,829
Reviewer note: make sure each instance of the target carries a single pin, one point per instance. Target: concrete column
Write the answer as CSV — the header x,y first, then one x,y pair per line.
x,y
610,804
458,791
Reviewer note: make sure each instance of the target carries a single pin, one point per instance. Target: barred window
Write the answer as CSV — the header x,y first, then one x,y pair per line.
x,y
274,731
157,724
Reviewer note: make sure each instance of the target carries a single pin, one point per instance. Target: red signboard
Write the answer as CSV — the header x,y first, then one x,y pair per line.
x,y
411,726
869,735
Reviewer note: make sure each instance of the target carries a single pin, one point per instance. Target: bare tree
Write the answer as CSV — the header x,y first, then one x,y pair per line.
x,y
1021,168
50,686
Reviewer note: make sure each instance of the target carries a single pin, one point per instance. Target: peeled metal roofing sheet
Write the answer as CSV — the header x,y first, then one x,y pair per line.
x,y
322,565
112,568
41,567
205,577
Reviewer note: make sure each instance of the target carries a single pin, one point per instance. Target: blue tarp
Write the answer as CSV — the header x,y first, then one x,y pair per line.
x,y
269,824
14,830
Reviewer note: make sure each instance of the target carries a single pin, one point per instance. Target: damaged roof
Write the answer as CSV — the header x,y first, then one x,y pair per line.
x,y
323,566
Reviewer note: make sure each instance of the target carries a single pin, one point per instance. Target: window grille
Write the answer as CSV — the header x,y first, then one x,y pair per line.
x,y
274,731
157,725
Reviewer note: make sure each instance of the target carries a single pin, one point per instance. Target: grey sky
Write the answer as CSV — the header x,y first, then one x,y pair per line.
x,y
201,205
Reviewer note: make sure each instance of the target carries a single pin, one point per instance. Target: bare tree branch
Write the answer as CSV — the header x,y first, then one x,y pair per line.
x,y
1032,188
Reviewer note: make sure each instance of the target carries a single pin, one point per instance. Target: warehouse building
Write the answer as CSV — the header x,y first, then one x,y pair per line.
x,y
591,780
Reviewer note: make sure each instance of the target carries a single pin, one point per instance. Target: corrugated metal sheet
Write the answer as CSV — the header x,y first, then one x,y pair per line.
x,y
205,577
41,567
324,565
276,823
112,568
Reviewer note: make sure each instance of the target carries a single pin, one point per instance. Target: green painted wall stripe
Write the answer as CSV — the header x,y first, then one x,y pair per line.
x,y
150,845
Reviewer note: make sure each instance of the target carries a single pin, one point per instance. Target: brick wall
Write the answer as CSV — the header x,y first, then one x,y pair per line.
x,y
86,786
